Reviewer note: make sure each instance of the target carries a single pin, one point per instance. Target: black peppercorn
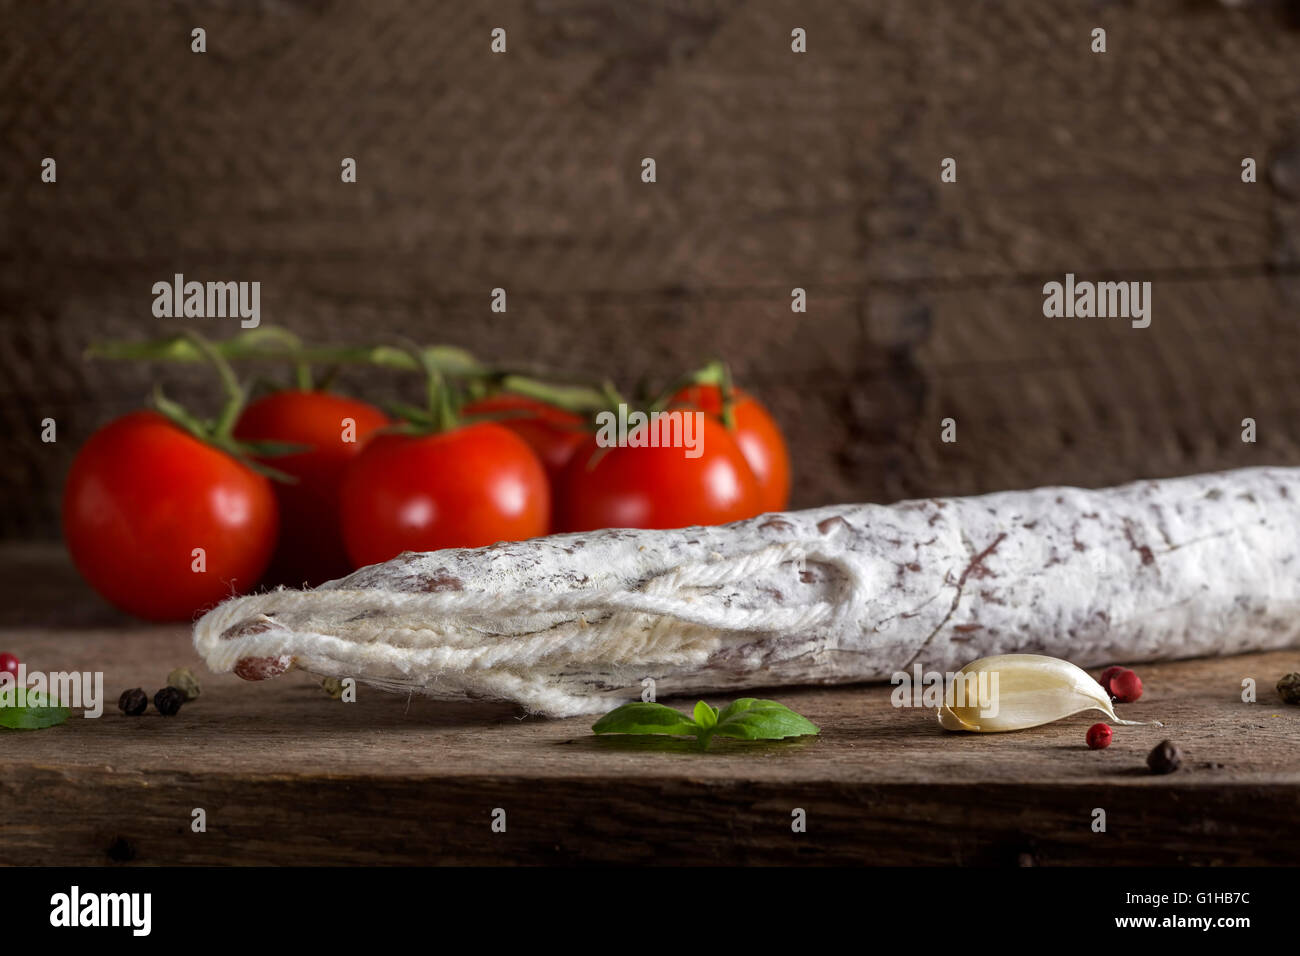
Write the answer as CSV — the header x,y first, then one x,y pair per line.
x,y
1165,758
1288,688
133,702
169,700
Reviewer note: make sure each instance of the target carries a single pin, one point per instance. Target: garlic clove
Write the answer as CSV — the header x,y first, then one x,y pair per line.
x,y
1019,691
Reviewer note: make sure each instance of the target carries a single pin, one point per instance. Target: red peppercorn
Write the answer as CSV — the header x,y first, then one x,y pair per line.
x,y
1126,687
1099,737
1107,676
9,663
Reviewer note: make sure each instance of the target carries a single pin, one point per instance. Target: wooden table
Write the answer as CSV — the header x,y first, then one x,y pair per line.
x,y
286,774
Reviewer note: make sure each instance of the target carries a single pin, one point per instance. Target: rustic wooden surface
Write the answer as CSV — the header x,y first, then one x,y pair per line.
x,y
288,775
775,170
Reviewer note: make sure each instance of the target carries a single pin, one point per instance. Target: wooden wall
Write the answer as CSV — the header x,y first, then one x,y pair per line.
x,y
775,170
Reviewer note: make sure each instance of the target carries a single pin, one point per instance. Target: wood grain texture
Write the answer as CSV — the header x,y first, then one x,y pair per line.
x,y
775,171
288,775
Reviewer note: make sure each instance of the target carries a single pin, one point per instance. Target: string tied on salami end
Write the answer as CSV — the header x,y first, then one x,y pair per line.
x,y
403,639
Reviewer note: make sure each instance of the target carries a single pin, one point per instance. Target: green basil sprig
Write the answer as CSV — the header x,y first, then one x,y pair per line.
x,y
746,719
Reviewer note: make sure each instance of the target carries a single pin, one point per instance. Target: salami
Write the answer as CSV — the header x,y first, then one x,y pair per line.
x,y
573,624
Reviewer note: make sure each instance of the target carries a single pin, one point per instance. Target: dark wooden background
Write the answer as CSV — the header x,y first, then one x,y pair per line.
x,y
775,170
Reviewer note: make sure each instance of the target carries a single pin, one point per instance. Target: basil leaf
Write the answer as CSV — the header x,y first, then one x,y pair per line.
x,y
752,719
745,719
37,715
643,718
705,716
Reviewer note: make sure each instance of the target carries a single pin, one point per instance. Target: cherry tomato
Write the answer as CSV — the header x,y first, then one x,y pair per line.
x,y
758,436
311,549
552,433
9,663
464,488
626,487
142,495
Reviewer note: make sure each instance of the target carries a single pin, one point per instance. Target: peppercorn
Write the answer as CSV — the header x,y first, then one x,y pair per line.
x,y
169,700
1165,758
183,680
1106,676
9,663
133,702
1126,687
1288,688
1099,736
332,686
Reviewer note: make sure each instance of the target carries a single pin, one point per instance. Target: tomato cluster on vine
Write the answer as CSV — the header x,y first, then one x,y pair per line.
x,y
166,514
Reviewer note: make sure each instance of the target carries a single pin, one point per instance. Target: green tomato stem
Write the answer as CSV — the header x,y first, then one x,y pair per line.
x,y
269,343
715,373
577,399
440,409
291,343
224,428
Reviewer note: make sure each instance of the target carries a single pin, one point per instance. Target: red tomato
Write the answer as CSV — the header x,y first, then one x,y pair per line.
x,y
552,433
311,547
142,495
626,487
465,488
758,436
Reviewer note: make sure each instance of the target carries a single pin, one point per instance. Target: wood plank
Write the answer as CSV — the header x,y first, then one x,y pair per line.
x,y
777,170
822,168
288,775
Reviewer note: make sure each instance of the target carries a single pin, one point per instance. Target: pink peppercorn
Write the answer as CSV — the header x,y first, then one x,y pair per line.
x,y
1107,676
1126,687
1099,737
